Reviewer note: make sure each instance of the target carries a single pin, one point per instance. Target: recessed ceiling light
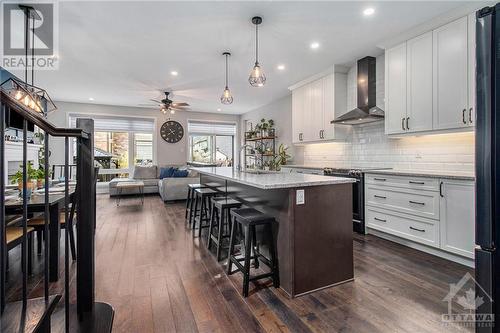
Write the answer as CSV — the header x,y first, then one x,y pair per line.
x,y
368,11
314,45
91,98
174,73
219,109
281,67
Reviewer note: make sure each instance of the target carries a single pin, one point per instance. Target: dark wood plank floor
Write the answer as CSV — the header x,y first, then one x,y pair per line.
x,y
160,279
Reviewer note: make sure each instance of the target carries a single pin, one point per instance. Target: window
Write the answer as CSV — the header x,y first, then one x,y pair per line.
x,y
211,142
143,148
120,143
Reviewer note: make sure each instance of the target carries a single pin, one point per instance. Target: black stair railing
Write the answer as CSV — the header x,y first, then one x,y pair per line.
x,y
92,316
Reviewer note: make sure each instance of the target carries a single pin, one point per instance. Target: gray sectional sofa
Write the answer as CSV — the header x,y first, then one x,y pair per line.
x,y
169,188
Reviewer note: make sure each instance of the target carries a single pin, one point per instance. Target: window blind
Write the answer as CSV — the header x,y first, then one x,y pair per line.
x,y
116,124
211,128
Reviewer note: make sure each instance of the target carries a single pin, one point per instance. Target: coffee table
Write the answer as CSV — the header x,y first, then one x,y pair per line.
x,y
130,185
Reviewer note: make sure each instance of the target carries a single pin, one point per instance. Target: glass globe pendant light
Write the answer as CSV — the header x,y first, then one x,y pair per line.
x,y
226,97
257,77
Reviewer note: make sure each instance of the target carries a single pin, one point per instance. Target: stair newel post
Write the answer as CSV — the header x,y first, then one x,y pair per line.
x,y
85,283
24,245
3,245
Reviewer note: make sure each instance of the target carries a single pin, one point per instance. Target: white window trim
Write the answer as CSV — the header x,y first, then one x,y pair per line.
x,y
130,139
188,141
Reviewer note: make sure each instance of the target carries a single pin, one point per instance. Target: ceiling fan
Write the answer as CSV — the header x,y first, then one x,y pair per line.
x,y
167,104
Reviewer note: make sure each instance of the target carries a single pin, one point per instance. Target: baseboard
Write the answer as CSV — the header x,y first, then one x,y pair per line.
x,y
424,248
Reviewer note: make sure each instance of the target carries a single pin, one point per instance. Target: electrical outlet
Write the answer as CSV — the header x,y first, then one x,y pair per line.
x,y
300,197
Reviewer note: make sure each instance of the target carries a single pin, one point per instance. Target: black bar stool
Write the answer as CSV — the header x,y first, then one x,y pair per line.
x,y
219,216
190,199
202,198
248,218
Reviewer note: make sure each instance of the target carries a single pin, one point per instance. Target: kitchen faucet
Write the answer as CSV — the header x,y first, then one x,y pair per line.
x,y
239,168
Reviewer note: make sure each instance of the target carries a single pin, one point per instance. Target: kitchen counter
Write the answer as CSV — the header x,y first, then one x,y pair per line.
x,y
458,175
313,216
273,180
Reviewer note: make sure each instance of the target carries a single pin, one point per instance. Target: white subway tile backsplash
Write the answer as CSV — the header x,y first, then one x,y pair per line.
x,y
368,146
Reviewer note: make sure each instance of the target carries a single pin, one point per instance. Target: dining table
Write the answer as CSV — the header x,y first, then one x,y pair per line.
x,y
36,204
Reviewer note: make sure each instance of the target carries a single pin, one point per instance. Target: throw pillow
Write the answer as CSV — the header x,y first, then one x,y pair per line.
x,y
167,172
145,172
180,173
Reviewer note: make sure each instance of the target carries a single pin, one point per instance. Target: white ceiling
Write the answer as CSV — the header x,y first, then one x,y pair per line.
x,y
122,53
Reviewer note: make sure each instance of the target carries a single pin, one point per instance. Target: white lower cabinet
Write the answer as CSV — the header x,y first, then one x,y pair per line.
x,y
457,217
438,213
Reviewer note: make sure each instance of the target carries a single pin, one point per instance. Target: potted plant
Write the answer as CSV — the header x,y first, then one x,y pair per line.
x,y
31,177
265,127
282,156
40,177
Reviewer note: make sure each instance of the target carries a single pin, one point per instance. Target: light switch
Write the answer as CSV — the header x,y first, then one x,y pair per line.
x,y
300,197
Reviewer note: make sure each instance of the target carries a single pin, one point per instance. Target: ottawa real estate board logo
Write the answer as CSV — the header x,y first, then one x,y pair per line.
x,y
469,304
41,17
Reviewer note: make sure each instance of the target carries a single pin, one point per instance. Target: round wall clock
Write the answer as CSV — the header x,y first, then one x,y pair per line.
x,y
172,131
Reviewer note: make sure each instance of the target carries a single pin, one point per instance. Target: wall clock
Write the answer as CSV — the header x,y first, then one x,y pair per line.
x,y
172,131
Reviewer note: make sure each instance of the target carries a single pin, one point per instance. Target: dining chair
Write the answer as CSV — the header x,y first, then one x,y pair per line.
x,y
14,238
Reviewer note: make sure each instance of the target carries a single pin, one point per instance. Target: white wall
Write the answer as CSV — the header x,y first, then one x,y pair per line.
x,y
166,153
281,112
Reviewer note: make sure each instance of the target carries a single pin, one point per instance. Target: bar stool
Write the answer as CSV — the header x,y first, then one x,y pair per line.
x,y
190,199
219,215
203,215
248,218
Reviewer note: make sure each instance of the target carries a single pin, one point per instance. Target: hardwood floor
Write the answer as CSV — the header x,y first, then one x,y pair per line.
x,y
160,279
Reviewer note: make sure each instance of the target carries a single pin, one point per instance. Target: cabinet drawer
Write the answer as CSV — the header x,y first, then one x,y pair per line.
x,y
420,203
417,183
418,230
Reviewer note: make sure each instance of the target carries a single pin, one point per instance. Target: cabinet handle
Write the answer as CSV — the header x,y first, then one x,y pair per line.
x,y
416,183
380,220
416,229
300,136
417,203
380,179
441,190
403,124
470,115
463,116
380,196
407,123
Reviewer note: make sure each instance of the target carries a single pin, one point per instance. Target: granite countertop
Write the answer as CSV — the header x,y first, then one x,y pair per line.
x,y
459,175
273,180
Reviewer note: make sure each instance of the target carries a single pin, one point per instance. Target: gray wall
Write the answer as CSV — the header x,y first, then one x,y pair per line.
x,y
281,112
166,153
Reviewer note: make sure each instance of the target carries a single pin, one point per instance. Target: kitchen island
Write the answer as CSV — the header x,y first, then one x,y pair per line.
x,y
313,233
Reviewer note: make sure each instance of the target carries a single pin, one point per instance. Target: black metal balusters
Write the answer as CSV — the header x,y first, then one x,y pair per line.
x,y
66,232
46,253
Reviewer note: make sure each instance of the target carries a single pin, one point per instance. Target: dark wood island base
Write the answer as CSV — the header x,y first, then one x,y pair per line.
x,y
314,240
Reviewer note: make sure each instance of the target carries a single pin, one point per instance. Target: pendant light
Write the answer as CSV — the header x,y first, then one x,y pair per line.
x,y
226,97
257,77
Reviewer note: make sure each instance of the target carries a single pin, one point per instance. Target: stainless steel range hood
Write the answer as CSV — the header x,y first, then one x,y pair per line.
x,y
367,110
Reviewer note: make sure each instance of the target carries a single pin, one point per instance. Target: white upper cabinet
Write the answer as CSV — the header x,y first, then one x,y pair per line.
x,y
315,104
395,89
457,217
472,69
430,80
419,84
298,112
451,75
